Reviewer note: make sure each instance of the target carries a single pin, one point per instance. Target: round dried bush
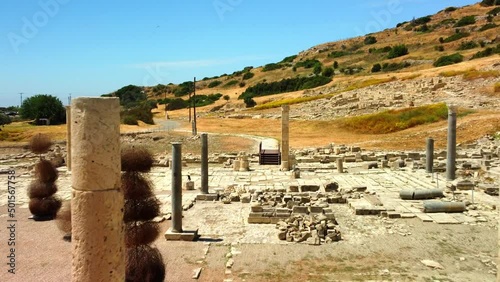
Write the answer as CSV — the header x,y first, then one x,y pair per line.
x,y
46,172
136,159
141,210
40,143
63,218
144,263
140,233
45,206
38,189
135,186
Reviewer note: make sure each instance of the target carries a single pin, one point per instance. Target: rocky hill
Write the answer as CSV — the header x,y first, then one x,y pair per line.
x,y
451,56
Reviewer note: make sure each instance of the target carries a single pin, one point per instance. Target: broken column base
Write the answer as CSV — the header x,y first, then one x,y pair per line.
x,y
185,235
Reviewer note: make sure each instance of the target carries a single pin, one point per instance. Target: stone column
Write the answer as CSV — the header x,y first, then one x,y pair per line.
x,y
97,201
176,187
429,155
285,145
340,165
204,163
68,138
452,142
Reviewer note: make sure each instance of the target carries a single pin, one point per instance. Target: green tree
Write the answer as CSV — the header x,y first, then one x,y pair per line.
x,y
398,51
226,97
376,67
370,40
249,102
44,106
328,72
4,119
335,65
317,69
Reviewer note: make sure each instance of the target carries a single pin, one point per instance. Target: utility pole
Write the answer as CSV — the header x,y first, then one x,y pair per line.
x,y
69,99
189,106
21,99
194,106
165,103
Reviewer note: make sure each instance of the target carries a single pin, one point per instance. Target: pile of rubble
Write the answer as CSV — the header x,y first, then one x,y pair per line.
x,y
312,229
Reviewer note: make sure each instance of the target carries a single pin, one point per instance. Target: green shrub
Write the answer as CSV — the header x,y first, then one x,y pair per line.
x,y
184,89
242,84
271,67
4,119
439,48
486,52
467,20
338,54
248,75
422,28
141,112
285,85
307,64
495,11
398,51
448,60
422,20
177,104
394,66
43,106
488,26
450,9
130,120
231,83
214,83
328,72
466,45
335,65
289,59
376,67
317,69
226,97
249,102
455,36
370,40
490,2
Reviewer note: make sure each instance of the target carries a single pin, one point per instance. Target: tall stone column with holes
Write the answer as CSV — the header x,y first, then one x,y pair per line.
x,y
285,145
97,201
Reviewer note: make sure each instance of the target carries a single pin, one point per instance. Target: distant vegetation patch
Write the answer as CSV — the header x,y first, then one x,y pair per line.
x,y
488,26
396,120
465,45
496,87
471,74
450,9
289,59
200,101
455,36
283,86
448,60
467,20
248,75
398,51
487,52
271,67
231,83
338,54
368,82
370,40
214,83
307,64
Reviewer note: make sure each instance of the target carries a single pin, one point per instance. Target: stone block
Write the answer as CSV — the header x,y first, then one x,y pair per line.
x,y
189,185
259,220
315,209
370,165
300,209
332,187
293,188
257,208
309,188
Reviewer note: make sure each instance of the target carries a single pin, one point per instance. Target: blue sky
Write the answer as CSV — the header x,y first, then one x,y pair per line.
x,y
91,47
